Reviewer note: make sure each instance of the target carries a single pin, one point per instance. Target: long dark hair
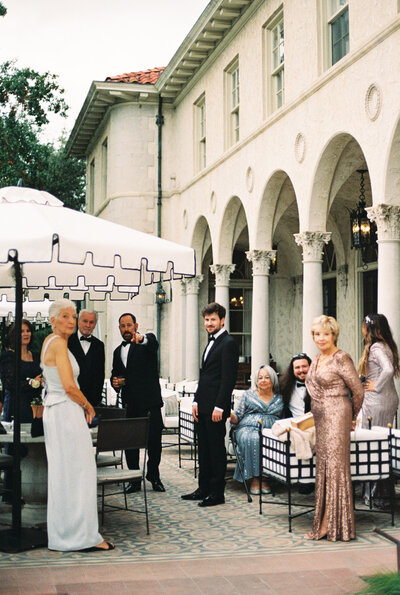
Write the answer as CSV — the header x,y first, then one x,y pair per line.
x,y
288,379
378,330
11,333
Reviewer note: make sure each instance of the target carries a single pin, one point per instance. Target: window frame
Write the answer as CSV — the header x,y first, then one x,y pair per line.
x,y
275,94
326,19
333,18
91,189
200,133
104,168
232,102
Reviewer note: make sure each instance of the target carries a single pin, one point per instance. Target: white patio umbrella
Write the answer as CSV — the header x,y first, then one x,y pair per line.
x,y
48,250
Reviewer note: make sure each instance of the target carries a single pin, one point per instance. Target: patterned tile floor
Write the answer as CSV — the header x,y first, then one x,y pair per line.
x,y
226,549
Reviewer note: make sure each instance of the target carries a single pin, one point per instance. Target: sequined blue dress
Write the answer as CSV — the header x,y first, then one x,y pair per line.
x,y
250,410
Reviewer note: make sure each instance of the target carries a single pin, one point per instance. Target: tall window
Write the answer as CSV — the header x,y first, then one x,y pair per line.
x,y
200,133
278,64
274,51
233,102
104,166
338,22
90,195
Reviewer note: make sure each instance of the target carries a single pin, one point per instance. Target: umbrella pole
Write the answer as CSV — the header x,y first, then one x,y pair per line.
x,y
18,539
16,487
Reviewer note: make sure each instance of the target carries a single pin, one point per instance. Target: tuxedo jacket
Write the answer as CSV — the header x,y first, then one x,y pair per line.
x,y
91,367
142,389
218,376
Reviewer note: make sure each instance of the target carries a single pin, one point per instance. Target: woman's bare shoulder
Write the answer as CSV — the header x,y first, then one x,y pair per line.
x,y
54,342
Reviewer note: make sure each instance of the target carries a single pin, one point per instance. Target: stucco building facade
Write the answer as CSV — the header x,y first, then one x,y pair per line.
x,y
252,146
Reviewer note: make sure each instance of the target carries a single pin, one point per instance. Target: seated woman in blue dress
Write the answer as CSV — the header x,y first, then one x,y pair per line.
x,y
263,403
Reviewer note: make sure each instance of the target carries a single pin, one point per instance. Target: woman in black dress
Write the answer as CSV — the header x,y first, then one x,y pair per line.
x,y
31,374
31,386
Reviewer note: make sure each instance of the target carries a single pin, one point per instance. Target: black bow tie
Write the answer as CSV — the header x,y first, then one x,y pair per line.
x,y
299,383
86,339
211,338
125,343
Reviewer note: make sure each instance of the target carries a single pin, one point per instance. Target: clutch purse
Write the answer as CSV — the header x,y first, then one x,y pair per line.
x,y
304,421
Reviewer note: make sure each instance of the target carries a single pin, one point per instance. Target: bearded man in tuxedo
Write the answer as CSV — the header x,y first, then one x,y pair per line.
x,y
296,400
212,405
89,353
135,374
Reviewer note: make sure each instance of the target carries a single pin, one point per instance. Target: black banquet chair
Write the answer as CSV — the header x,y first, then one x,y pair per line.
x,y
122,434
108,460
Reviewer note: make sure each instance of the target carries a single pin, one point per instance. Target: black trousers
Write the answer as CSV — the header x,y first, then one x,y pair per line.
x,y
212,455
154,444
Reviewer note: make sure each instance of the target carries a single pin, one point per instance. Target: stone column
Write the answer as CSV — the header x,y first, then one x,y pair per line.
x,y
192,327
261,260
183,322
387,219
312,243
222,274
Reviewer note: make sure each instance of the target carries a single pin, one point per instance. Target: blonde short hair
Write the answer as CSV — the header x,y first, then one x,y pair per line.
x,y
326,322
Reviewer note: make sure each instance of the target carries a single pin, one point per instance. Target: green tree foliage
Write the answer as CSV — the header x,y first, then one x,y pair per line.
x,y
26,99
3,10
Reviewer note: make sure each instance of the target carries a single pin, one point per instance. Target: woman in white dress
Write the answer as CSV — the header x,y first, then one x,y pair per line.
x,y
72,521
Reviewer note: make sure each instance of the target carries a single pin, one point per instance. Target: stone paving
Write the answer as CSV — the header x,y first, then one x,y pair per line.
x,y
227,549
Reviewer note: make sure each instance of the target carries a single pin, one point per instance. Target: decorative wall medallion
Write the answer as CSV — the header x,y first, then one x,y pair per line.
x,y
250,179
300,147
213,202
373,102
185,219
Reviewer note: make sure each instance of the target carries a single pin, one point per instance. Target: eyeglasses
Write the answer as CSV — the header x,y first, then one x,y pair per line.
x,y
300,356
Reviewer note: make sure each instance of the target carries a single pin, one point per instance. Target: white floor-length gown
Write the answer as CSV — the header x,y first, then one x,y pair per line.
x,y
72,521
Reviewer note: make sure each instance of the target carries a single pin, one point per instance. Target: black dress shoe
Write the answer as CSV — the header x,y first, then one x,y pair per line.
x,y
134,486
196,495
212,500
157,485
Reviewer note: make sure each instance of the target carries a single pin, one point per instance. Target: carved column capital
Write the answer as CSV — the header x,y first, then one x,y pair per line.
x,y
183,286
222,273
261,260
193,284
387,219
312,243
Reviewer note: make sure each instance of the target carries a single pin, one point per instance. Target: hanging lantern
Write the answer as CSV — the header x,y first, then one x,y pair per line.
x,y
361,228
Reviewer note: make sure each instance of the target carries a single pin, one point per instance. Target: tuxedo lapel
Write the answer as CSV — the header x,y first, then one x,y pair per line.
x,y
119,355
217,342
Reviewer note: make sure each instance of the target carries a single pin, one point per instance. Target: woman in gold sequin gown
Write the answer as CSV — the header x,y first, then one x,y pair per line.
x,y
330,381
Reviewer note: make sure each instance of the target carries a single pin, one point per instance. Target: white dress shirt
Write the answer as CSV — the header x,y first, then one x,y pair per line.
x,y
84,344
125,350
211,343
296,404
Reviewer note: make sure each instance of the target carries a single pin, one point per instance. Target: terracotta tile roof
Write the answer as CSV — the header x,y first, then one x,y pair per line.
x,y
144,77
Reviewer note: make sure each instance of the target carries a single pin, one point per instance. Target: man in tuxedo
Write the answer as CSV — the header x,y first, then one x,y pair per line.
x,y
212,405
296,400
89,353
135,374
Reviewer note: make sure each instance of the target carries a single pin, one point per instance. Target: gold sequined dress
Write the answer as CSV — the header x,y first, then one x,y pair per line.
x,y
333,411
